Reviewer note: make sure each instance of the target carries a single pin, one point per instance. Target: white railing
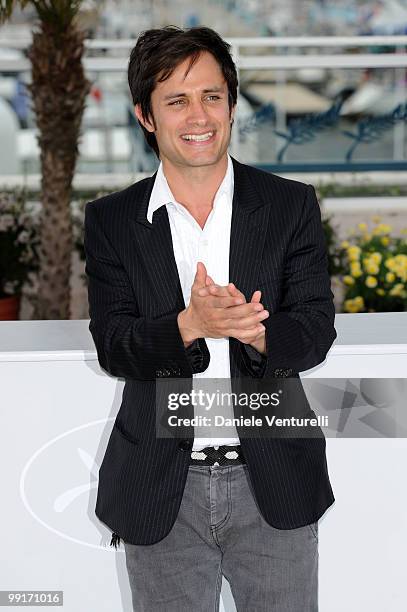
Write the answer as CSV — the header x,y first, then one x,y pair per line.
x,y
291,61
330,55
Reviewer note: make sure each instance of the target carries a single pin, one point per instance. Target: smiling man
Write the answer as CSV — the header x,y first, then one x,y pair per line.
x,y
208,269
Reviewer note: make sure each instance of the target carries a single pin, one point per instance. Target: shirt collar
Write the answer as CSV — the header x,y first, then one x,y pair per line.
x,y
161,193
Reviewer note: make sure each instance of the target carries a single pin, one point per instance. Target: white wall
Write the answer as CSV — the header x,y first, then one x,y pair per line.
x,y
57,410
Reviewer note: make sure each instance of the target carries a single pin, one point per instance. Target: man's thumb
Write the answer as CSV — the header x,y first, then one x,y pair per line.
x,y
200,275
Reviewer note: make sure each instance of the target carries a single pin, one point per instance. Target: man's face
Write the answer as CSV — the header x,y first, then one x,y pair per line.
x,y
191,106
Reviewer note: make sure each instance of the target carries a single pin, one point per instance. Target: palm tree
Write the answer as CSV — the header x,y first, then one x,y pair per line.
x,y
58,89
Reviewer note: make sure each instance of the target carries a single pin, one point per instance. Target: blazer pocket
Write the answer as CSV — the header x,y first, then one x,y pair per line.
x,y
125,434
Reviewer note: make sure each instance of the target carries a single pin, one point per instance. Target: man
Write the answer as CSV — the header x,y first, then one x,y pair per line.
x,y
208,269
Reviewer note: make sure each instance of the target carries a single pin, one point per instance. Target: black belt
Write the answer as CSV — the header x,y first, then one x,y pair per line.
x,y
218,455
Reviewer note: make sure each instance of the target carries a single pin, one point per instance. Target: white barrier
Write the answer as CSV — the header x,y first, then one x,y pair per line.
x,y
57,411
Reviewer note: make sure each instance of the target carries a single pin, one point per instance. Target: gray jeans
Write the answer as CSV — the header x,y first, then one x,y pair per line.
x,y
220,531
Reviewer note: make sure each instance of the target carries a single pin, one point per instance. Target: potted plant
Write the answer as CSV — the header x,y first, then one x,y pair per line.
x,y
376,275
19,243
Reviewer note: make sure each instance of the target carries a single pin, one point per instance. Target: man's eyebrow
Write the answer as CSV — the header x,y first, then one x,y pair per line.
x,y
179,95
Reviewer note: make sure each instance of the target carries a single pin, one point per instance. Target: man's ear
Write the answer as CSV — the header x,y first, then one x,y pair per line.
x,y
147,124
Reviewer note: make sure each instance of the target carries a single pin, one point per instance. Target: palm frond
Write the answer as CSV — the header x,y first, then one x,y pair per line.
x,y
7,7
59,13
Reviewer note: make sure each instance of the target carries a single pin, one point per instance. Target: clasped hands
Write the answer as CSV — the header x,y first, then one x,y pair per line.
x,y
216,311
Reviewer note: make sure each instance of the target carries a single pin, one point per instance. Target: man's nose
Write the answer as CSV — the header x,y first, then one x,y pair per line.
x,y
197,112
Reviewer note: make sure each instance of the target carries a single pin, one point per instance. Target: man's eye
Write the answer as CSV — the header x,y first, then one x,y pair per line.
x,y
176,101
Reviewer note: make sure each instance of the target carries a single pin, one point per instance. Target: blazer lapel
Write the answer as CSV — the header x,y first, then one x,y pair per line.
x,y
248,231
154,243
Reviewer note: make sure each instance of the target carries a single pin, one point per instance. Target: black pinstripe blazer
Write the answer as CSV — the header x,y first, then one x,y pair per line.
x,y
276,245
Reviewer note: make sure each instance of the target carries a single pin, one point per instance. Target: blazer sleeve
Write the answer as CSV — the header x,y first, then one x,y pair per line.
x,y
254,361
301,333
127,344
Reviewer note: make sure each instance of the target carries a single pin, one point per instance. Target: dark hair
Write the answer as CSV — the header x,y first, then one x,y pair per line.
x,y
159,51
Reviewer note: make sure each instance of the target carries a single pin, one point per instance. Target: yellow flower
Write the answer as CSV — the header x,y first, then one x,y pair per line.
x,y
350,306
366,237
371,281
390,263
404,230
355,269
344,244
386,229
398,265
376,218
384,240
380,291
362,227
372,267
402,274
354,253
376,256
390,277
348,280
382,228
397,290
354,305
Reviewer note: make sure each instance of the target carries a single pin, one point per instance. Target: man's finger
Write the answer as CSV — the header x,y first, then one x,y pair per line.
x,y
246,335
233,290
249,336
230,289
242,310
223,291
209,290
223,300
203,291
249,321
226,302
216,290
219,291
256,296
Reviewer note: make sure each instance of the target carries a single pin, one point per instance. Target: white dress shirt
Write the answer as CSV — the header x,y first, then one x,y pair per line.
x,y
211,246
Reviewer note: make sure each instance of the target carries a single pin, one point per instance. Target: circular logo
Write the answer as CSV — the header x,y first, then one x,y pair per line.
x,y
57,483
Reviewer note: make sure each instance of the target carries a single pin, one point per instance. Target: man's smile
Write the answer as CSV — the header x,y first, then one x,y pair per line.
x,y
201,139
